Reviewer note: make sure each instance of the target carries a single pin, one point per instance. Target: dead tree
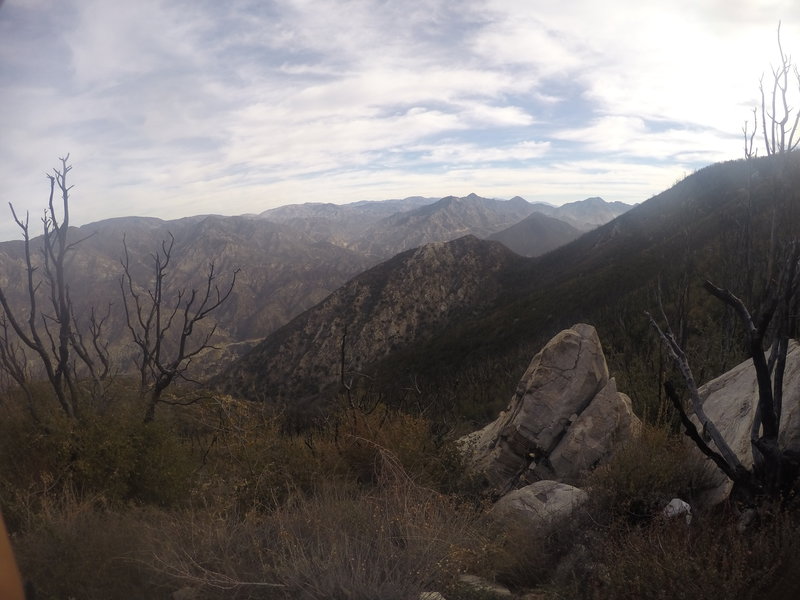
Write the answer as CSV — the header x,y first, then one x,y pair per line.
x,y
163,325
777,126
49,331
774,470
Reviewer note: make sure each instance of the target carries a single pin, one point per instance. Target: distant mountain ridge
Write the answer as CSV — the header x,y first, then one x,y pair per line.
x,y
382,229
444,220
339,223
587,214
289,258
599,277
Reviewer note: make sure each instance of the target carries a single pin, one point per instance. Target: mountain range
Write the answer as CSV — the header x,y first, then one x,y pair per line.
x,y
288,259
382,229
442,302
454,342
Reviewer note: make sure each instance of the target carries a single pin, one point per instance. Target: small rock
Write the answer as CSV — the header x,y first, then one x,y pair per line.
x,y
540,505
676,508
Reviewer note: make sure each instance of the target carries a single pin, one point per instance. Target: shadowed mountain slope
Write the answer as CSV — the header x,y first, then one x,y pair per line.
x,y
605,277
536,234
402,301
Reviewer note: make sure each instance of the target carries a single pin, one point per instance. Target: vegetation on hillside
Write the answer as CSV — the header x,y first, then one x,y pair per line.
x,y
222,500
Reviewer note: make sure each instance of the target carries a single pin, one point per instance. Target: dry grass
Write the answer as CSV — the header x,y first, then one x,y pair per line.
x,y
710,560
85,549
390,541
361,508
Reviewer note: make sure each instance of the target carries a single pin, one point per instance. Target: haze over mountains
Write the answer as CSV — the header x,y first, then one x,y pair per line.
x,y
289,258
606,276
382,229
326,292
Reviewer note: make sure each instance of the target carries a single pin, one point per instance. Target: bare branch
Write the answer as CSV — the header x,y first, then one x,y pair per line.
x,y
755,338
679,357
150,319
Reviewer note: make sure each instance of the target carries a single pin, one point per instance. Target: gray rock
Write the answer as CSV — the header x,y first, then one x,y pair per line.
x,y
606,422
431,596
484,586
730,401
564,418
540,505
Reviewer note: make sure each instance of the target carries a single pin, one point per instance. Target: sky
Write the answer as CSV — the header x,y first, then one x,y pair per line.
x,y
170,108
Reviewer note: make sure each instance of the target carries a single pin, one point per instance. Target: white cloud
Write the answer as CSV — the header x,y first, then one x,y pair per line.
x,y
175,106
473,154
635,138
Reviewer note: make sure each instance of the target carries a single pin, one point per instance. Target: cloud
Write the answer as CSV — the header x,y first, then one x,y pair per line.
x,y
475,155
171,107
636,138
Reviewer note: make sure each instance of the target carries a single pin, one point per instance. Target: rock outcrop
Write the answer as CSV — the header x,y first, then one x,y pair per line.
x,y
591,438
730,401
564,418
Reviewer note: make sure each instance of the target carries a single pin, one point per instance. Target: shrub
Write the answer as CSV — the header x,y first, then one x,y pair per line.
x,y
85,549
710,561
114,456
262,464
360,440
390,541
643,476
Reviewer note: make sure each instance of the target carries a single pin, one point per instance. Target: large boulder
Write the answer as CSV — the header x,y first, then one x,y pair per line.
x,y
552,428
592,437
730,401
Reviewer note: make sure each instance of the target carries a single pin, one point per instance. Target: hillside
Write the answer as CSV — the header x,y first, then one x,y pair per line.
x,y
606,277
280,274
403,301
704,226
